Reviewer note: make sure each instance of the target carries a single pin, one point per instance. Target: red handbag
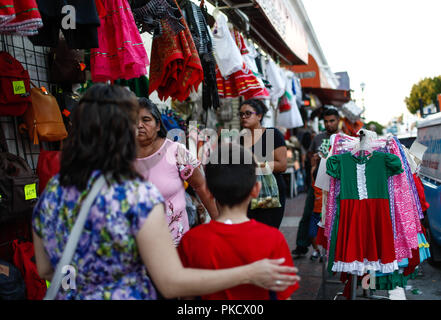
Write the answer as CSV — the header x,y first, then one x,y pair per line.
x,y
15,87
24,260
48,166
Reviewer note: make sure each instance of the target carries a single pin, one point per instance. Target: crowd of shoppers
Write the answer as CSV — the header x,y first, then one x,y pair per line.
x,y
126,250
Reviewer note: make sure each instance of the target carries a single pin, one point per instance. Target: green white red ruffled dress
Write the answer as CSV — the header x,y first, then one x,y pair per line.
x,y
362,237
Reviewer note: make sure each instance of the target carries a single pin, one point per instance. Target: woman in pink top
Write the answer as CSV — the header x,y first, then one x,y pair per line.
x,y
167,164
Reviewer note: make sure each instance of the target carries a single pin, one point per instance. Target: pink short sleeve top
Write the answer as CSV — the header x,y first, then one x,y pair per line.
x,y
166,169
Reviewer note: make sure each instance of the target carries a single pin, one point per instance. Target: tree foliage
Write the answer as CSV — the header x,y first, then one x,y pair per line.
x,y
378,127
427,90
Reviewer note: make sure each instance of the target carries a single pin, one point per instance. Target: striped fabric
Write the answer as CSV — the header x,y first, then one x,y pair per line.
x,y
19,17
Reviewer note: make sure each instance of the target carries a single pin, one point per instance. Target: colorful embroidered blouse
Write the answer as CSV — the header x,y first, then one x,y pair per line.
x,y
166,169
107,262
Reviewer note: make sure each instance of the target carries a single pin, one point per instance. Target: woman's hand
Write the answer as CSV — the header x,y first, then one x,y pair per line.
x,y
269,274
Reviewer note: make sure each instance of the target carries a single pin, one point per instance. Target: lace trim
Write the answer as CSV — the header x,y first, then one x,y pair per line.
x,y
361,268
361,181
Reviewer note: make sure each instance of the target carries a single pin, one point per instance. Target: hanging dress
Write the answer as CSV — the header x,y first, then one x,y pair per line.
x,y
363,236
289,114
233,77
20,17
407,223
176,68
278,83
121,53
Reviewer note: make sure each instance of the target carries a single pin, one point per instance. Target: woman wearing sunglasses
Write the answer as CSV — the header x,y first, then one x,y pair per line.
x,y
251,115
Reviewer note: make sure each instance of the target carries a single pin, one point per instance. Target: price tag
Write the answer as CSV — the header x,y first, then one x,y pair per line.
x,y
30,191
19,87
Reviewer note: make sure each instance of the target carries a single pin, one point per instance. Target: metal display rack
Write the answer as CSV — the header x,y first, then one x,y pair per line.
x,y
34,60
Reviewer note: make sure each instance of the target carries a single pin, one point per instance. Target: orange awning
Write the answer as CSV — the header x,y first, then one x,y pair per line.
x,y
332,97
313,80
311,76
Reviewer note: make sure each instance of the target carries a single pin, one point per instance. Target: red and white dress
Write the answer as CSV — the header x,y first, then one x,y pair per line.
x,y
20,17
362,237
234,78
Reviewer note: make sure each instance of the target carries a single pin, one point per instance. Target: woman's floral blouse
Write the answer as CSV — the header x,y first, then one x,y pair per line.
x,y
107,262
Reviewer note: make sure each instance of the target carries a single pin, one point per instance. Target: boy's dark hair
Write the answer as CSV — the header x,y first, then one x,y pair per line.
x,y
230,182
331,112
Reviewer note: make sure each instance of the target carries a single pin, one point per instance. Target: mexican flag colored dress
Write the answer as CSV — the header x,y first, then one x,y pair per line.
x,y
362,236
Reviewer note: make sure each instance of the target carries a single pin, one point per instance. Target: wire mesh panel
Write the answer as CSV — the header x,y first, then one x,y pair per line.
x,y
33,59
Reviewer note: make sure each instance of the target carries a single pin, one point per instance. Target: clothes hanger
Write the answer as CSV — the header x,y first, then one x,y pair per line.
x,y
365,145
216,10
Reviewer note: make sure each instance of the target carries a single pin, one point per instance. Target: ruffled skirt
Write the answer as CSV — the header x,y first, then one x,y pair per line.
x,y
121,53
364,237
241,83
20,17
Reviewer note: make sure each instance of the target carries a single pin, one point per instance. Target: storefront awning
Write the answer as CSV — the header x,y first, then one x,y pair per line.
x,y
332,97
313,80
311,75
272,26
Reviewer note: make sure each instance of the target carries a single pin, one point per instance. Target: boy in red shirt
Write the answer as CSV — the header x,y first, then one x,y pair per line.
x,y
233,239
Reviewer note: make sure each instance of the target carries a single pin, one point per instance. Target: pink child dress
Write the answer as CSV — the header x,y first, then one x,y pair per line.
x,y
121,53
166,169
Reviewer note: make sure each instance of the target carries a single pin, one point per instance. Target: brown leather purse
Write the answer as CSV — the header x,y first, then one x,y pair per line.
x,y
43,119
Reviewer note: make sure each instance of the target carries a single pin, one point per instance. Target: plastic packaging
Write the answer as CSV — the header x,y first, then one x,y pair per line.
x,y
269,192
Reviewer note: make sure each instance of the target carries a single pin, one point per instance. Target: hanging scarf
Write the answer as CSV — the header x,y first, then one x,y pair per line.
x,y
202,39
175,65
148,16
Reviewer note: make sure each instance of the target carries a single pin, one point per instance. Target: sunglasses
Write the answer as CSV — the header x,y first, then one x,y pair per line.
x,y
246,114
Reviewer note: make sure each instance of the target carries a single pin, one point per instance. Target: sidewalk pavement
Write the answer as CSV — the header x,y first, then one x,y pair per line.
x,y
311,272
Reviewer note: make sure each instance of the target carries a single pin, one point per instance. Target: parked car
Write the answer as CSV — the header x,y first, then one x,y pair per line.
x,y
429,134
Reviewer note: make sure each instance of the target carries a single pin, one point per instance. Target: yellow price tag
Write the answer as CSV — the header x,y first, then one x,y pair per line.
x,y
19,87
30,191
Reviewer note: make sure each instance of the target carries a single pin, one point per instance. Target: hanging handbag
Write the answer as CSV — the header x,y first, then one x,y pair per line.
x,y
48,165
74,237
18,185
24,260
66,65
43,119
14,86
